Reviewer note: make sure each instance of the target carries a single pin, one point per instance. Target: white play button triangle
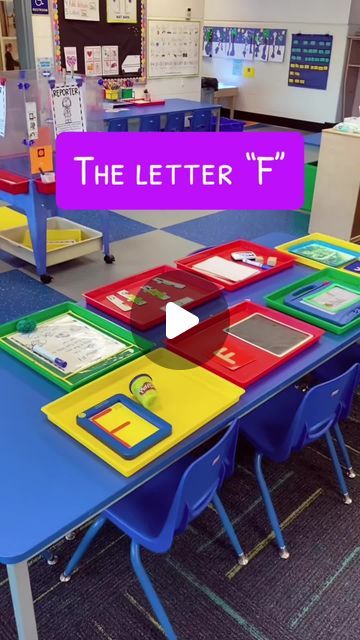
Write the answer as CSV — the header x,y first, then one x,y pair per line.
x,y
178,320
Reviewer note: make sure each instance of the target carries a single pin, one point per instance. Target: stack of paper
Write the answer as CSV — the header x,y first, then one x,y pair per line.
x,y
225,269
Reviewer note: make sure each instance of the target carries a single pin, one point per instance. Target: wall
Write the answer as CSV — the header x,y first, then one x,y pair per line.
x,y
355,13
189,88
268,92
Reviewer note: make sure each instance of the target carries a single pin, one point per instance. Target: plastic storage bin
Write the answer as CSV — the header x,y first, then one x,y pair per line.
x,y
77,241
226,124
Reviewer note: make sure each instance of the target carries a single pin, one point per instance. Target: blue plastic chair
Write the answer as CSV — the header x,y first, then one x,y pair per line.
x,y
150,123
201,120
175,122
163,507
315,414
121,124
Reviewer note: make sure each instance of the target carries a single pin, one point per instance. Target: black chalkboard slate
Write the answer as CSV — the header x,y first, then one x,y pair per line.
x,y
83,33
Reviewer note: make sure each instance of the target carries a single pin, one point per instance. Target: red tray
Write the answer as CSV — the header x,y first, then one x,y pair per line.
x,y
46,188
239,362
225,250
153,313
146,103
12,183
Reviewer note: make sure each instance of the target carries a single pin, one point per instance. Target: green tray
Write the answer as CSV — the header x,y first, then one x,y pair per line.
x,y
137,346
276,300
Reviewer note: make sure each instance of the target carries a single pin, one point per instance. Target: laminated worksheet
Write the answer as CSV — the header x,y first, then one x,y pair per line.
x,y
225,269
74,341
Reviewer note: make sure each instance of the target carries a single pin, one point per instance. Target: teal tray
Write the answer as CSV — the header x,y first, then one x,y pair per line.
x,y
276,300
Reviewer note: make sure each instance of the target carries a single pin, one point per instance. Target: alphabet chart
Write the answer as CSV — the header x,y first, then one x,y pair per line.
x,y
255,342
173,48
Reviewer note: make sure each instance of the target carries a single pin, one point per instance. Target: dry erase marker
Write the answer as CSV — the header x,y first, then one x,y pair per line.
x,y
50,357
253,263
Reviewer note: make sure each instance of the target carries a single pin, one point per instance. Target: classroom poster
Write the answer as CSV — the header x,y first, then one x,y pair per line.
x,y
67,106
110,60
31,120
244,43
121,11
71,63
93,61
82,10
173,48
2,109
310,61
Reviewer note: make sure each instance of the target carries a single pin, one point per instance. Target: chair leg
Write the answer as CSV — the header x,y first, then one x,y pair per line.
x,y
344,452
82,548
242,559
284,554
338,469
50,557
150,591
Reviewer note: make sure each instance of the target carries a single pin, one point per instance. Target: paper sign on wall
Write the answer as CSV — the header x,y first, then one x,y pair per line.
x,y
41,159
70,55
131,64
2,109
110,60
121,10
82,10
67,105
93,62
249,72
31,120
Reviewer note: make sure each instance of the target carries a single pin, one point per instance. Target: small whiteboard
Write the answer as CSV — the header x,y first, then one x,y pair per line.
x,y
173,48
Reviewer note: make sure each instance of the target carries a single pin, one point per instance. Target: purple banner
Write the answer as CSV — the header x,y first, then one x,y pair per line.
x,y
180,171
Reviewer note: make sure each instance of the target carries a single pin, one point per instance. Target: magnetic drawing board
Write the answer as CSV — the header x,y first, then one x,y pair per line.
x,y
320,251
257,340
124,425
135,300
190,263
329,299
268,334
87,343
189,398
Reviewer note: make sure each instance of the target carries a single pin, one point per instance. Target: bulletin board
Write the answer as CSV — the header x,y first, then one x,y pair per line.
x,y
96,32
310,61
252,44
173,48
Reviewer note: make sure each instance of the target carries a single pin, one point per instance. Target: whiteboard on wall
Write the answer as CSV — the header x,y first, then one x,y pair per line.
x,y
173,48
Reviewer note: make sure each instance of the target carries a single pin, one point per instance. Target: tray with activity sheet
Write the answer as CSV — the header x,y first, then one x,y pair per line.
x,y
256,341
188,398
203,264
70,345
140,300
330,299
320,251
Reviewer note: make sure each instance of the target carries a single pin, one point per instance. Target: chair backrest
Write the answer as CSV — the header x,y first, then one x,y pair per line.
x,y
200,481
150,123
321,408
175,122
120,124
201,120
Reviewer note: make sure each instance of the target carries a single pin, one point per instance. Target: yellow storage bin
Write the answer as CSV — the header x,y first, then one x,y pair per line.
x,y
10,219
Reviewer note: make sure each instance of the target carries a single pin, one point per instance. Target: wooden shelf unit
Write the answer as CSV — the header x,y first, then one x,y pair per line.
x,y
352,78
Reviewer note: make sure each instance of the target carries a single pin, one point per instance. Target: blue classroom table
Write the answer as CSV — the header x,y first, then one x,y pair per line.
x,y
50,484
173,105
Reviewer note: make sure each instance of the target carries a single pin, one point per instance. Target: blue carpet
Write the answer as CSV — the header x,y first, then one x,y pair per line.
x,y
20,295
231,225
120,227
314,139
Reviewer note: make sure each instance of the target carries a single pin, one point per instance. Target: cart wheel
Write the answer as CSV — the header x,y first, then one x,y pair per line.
x,y
109,259
45,279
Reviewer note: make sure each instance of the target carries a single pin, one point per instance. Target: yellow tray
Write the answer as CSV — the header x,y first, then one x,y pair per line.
x,y
339,244
10,219
189,397
56,238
